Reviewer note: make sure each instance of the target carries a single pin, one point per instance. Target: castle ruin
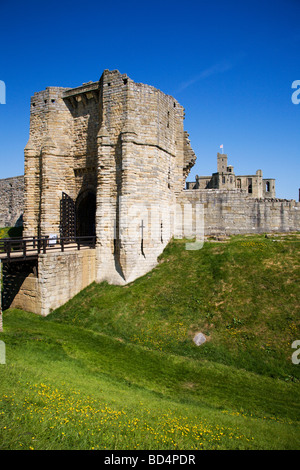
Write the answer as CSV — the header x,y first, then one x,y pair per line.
x,y
98,158
225,178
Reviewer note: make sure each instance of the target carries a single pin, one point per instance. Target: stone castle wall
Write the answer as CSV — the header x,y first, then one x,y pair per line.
x,y
48,162
11,201
122,140
234,212
142,156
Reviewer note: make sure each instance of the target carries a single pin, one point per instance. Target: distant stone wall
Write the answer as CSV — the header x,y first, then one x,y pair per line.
x,y
11,201
233,212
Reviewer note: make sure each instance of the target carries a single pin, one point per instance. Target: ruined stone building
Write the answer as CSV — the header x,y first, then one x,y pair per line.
x,y
225,178
98,159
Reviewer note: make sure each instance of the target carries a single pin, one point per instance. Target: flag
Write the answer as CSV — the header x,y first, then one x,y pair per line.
x,y
221,146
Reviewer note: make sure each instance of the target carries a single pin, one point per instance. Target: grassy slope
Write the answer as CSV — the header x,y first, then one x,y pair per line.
x,y
116,366
244,295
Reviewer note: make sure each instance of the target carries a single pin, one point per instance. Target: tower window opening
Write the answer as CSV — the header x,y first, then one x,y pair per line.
x,y
250,185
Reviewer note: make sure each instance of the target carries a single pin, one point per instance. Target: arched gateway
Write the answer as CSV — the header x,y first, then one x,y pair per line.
x,y
86,214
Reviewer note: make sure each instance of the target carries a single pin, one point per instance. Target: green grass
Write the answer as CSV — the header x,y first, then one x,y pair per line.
x,y
9,232
116,367
244,295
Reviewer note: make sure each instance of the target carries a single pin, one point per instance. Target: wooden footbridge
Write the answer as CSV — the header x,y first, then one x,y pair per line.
x,y
26,248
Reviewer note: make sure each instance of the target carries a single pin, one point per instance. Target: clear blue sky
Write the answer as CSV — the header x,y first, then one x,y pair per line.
x,y
230,63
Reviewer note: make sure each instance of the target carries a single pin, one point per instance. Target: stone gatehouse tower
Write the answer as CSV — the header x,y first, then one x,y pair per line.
x,y
100,159
94,152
